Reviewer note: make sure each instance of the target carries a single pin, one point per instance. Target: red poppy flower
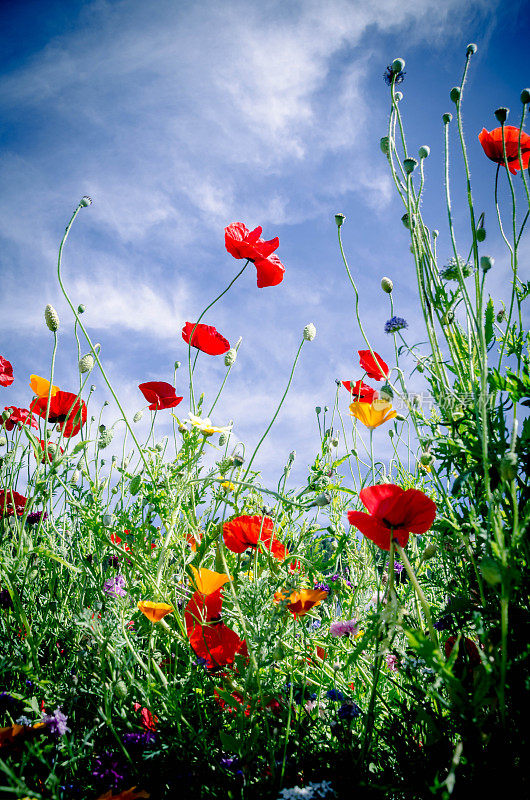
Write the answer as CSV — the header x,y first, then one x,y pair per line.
x,y
51,450
467,650
7,499
205,338
147,719
244,532
20,416
202,608
237,696
6,372
217,645
242,243
66,409
360,391
491,142
160,395
393,512
377,370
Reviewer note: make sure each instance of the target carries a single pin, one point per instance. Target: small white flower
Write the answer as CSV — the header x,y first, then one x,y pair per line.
x,y
205,425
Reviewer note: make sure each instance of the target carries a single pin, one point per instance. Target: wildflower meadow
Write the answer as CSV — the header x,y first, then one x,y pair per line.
x,y
172,625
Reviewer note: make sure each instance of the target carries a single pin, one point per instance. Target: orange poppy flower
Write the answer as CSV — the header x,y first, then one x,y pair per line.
x,y
41,386
207,581
301,602
154,611
243,532
16,734
373,414
491,142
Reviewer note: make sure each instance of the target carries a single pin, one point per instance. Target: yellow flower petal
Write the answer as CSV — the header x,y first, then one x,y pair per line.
x,y
41,386
373,414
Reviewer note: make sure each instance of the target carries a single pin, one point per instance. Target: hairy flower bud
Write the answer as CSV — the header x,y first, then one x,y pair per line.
x,y
386,394
310,332
424,151
455,93
398,65
75,476
386,285
486,262
321,500
51,318
525,96
481,234
223,438
405,219
81,308
339,219
501,316
85,201
138,416
106,438
426,459
86,363
384,144
471,49
502,114
410,165
230,357
398,96
447,117
429,552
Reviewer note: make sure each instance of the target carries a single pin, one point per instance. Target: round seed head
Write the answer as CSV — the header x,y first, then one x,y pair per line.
x,y
447,117
455,93
387,285
502,114
86,364
424,151
51,318
525,96
471,49
481,234
310,332
398,65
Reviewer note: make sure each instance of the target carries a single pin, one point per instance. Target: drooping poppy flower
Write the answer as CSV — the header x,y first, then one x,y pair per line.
x,y
160,395
217,644
467,650
374,367
207,581
18,416
360,391
246,531
52,449
154,611
202,609
242,243
12,503
6,372
491,142
66,409
299,603
373,414
205,338
393,513
41,386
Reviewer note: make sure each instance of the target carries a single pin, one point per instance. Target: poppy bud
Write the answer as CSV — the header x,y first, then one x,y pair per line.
x,y
85,201
491,571
501,316
138,416
107,520
318,409
335,442
447,117
502,114
386,286
321,500
238,460
424,151
177,364
410,165
386,394
81,308
429,552
391,433
230,357
339,219
86,364
455,93
448,318
406,222
93,388
398,65
384,144
223,439
400,418
51,318
486,262
481,234
509,466
121,689
398,96
471,49
435,234
525,96
310,332
106,438
75,476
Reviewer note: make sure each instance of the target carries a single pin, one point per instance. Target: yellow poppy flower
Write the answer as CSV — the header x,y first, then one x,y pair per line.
x,y
154,611
41,386
207,581
373,414
228,486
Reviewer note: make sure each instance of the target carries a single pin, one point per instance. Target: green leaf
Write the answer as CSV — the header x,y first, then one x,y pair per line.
x,y
48,554
134,486
489,316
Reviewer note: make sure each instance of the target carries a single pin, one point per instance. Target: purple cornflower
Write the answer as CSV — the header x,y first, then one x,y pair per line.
x,y
56,722
114,586
109,770
334,694
395,324
335,578
390,76
139,739
323,587
349,710
344,627
35,517
398,567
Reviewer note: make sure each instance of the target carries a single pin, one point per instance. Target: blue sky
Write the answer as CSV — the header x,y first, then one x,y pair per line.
x,y
178,118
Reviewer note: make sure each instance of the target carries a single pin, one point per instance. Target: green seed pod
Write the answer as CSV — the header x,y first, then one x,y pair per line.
x,y
387,285
481,234
85,201
238,460
81,308
486,262
471,49
525,96
447,117
223,438
138,416
424,151
339,219
310,332
384,144
491,572
429,552
51,318
502,114
410,165
86,363
398,96
455,93
398,65
501,316
230,357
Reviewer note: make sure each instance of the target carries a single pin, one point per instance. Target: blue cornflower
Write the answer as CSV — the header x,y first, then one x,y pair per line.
x,y
395,324
322,587
349,710
334,694
389,75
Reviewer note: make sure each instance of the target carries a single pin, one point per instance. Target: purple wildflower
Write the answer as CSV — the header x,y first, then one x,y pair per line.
x,y
323,587
113,561
344,627
349,710
392,662
114,586
109,770
334,694
398,567
139,739
56,722
35,517
395,324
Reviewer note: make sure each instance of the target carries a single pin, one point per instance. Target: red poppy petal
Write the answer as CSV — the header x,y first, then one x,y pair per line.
x,y
372,528
205,338
378,371
270,271
264,249
254,235
419,511
379,499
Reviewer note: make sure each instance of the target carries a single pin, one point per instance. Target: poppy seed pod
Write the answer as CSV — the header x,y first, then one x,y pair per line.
x,y
509,466
310,332
81,308
238,460
51,318
86,364
424,151
447,117
481,234
85,201
435,233
471,49
405,219
177,364
525,96
455,93
410,165
230,357
321,500
138,416
398,65
384,144
339,219
387,285
486,262
107,520
502,114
